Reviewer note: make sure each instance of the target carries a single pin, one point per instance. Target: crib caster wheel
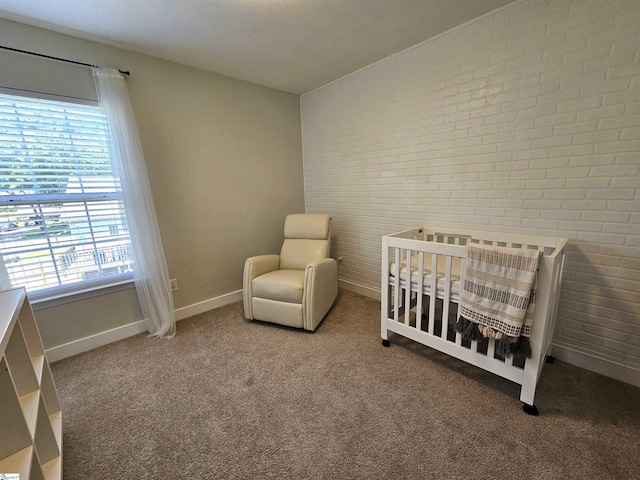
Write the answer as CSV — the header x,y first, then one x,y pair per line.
x,y
530,409
550,359
385,342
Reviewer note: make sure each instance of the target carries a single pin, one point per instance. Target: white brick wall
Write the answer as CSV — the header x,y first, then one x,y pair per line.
x,y
526,120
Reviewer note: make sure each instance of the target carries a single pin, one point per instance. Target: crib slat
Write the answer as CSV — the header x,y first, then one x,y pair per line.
x,y
491,348
419,290
447,298
396,284
434,292
407,288
463,267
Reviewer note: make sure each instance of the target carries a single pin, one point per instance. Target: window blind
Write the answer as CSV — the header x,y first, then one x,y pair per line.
x,y
62,221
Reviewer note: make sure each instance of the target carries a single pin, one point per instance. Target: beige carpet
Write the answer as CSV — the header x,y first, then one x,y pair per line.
x,y
232,399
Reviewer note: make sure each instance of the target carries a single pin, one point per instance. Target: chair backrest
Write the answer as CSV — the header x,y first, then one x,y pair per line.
x,y
307,237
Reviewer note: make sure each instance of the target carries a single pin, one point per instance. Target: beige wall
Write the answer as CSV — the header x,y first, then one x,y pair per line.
x,y
224,159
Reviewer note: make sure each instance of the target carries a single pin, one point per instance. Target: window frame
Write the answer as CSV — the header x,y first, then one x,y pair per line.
x,y
62,294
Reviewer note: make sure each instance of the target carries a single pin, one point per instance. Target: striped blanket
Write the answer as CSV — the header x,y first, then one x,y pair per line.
x,y
498,297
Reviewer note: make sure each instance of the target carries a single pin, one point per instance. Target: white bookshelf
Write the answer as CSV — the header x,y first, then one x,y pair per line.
x,y
30,413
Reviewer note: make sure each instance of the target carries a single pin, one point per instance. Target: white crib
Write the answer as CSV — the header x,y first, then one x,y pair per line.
x,y
413,308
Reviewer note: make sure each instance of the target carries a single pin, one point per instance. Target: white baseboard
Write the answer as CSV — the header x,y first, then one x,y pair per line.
x,y
206,305
360,289
602,366
94,341
119,333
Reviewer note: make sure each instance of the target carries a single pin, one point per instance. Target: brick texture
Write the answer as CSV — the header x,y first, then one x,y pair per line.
x,y
526,120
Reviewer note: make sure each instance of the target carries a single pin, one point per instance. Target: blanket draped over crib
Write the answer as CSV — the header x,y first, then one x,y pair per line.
x,y
497,297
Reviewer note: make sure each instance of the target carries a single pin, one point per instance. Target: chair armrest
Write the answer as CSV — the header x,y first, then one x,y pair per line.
x,y
254,267
320,290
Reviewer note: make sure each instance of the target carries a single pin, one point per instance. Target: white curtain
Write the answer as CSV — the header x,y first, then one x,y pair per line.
x,y
150,268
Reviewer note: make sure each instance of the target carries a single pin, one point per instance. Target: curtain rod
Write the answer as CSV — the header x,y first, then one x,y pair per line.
x,y
124,72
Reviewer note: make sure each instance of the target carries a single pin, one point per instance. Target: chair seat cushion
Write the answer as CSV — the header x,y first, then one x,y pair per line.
x,y
280,285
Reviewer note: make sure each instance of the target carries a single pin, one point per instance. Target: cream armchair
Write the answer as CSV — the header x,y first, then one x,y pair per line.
x,y
298,287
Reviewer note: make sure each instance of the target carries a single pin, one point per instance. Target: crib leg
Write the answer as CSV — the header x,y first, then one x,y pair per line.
x,y
530,409
385,342
550,359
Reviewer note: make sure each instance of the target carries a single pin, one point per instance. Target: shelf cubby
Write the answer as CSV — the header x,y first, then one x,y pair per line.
x,y
30,412
20,463
15,432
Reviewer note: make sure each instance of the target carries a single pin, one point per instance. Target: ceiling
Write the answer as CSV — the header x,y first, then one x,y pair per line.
x,y
290,45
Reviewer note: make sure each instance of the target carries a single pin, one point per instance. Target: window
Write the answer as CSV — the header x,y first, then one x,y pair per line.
x,y
62,221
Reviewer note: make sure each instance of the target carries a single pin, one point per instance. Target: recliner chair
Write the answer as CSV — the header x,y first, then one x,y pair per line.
x,y
298,287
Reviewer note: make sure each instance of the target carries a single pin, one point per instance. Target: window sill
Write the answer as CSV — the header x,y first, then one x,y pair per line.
x,y
53,300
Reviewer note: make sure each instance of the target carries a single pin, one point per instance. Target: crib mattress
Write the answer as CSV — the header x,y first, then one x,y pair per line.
x,y
414,275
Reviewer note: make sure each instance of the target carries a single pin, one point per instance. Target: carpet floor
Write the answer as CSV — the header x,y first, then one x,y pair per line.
x,y
229,398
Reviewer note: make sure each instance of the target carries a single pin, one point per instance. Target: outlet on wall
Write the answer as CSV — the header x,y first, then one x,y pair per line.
x,y
174,284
